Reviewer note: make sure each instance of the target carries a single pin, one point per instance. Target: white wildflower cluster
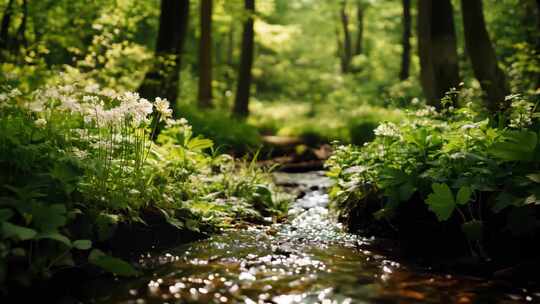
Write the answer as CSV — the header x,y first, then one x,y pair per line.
x,y
7,96
428,111
102,107
163,108
387,129
521,112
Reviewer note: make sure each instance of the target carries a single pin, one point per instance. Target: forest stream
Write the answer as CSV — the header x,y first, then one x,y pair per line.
x,y
308,259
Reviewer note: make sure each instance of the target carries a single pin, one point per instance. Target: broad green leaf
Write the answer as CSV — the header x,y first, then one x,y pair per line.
x,y
535,177
464,195
112,264
10,230
48,218
473,230
82,244
441,201
502,201
55,236
198,144
517,146
106,225
263,194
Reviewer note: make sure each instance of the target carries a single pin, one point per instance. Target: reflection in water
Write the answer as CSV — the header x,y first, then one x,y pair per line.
x,y
309,259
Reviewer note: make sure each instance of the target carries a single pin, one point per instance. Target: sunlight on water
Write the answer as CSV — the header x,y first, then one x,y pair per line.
x,y
309,259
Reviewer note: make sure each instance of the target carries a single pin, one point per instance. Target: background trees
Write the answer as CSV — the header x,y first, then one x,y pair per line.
x,y
163,77
241,101
213,58
437,48
205,55
482,55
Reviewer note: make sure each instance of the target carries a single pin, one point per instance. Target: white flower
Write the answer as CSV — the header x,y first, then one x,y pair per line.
x,y
427,111
468,127
14,93
40,123
387,129
162,106
92,88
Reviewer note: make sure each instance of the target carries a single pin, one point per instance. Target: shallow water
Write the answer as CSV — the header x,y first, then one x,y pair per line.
x,y
309,259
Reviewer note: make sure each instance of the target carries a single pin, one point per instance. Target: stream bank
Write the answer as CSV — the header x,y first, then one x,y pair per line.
x,y
308,259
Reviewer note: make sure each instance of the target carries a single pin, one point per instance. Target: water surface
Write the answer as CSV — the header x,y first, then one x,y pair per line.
x,y
308,259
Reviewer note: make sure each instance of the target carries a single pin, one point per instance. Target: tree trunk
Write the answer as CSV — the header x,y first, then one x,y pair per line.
x,y
538,38
6,22
163,78
347,45
21,32
437,49
241,102
406,41
483,57
230,45
358,48
205,55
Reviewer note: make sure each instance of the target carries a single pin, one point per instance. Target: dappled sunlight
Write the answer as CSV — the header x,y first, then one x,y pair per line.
x,y
269,151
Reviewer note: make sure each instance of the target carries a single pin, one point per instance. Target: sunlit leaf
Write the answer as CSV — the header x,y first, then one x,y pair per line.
x,y
464,195
111,264
55,236
10,230
441,201
517,146
82,244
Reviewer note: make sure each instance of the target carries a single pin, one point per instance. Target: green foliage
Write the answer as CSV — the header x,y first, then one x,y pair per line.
x,y
441,201
227,133
456,160
111,264
74,153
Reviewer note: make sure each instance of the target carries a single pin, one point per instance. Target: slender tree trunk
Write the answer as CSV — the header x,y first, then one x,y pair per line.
x,y
406,41
538,38
21,32
358,48
205,56
347,45
241,102
6,22
230,45
437,49
483,57
339,49
163,78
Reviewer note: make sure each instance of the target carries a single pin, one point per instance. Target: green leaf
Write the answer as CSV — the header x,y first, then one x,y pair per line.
x,y
82,244
535,177
48,218
441,201
463,195
106,225
262,194
5,214
199,144
55,236
473,230
517,146
502,201
10,230
111,264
